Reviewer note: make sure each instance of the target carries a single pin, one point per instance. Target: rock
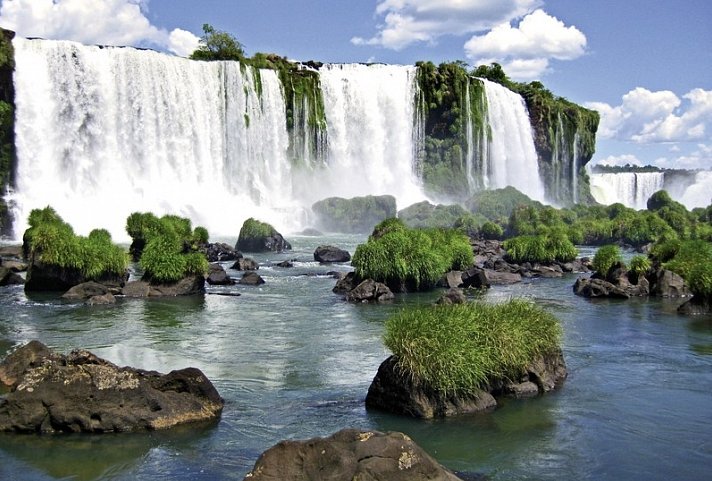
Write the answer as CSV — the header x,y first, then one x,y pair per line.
x,y
475,277
594,287
355,215
256,236
331,254
50,277
85,291
81,392
187,286
698,305
136,289
218,277
349,455
104,299
453,279
345,284
666,283
14,251
251,279
394,390
546,271
14,265
245,264
285,264
454,295
370,291
10,278
219,252
495,278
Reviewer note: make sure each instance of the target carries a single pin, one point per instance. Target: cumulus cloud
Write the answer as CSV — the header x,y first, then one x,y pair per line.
x,y
621,160
411,21
525,51
652,117
104,22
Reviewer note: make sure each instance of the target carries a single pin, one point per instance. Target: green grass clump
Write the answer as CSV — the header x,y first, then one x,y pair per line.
x,y
460,349
540,248
690,254
52,241
605,258
253,228
411,259
165,247
639,266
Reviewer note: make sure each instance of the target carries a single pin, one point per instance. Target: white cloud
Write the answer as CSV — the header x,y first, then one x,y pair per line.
x,y
104,22
621,160
411,21
524,51
651,117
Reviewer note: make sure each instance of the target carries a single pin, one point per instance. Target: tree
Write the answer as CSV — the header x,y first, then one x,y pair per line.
x,y
218,45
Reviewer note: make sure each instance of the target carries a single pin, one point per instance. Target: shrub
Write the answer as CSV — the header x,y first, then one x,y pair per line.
x,y
664,251
639,266
491,231
540,249
410,259
253,228
690,254
51,240
700,279
200,235
462,348
162,260
605,258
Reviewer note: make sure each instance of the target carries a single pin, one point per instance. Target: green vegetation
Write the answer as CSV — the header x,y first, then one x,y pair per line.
x,y
218,45
460,349
540,248
691,259
425,214
606,257
498,204
639,266
52,241
355,215
166,246
253,228
410,259
491,231
7,125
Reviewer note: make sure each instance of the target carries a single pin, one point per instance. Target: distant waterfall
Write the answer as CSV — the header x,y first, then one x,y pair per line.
x,y
511,155
632,189
370,113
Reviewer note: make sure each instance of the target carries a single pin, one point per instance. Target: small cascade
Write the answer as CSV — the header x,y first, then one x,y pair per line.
x,y
575,167
511,155
371,117
632,189
477,140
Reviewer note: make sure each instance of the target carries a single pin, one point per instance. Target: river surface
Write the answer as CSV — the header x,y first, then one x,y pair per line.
x,y
292,360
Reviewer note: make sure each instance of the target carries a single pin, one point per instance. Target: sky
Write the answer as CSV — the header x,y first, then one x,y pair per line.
x,y
645,65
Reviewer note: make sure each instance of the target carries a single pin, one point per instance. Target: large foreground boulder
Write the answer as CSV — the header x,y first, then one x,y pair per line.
x,y
80,392
349,455
395,390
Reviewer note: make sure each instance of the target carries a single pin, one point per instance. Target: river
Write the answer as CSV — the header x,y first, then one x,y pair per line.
x,y
292,360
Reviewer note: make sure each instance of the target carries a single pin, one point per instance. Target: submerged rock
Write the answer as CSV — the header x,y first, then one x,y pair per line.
x,y
80,392
251,278
395,390
10,278
188,286
245,264
349,455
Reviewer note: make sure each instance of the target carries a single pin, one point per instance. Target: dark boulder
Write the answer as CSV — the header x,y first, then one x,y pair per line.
x,y
50,277
245,264
345,284
136,289
476,278
257,236
81,392
501,278
349,455
698,305
285,264
331,254
665,283
370,291
251,279
10,278
218,277
85,291
395,390
188,286
454,295
594,287
219,252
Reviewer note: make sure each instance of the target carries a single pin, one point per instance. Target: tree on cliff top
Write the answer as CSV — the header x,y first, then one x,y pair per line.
x,y
218,45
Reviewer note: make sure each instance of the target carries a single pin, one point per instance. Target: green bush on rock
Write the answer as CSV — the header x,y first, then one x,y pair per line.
x,y
540,249
410,259
458,349
605,258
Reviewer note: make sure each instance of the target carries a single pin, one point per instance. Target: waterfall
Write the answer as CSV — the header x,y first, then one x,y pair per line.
x,y
371,113
699,194
103,132
512,158
632,189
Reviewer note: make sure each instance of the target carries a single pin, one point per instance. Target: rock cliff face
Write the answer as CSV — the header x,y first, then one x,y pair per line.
x,y
81,392
7,125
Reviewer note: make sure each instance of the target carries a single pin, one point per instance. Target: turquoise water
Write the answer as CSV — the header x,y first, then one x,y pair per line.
x,y
292,360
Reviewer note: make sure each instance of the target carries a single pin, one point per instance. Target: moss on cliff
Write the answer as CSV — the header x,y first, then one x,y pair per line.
x,y
7,125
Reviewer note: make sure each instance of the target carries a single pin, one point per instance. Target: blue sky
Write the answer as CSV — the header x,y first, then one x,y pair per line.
x,y
645,65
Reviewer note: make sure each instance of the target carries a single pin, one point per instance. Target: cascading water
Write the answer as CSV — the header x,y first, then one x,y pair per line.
x,y
103,132
632,189
512,157
370,115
